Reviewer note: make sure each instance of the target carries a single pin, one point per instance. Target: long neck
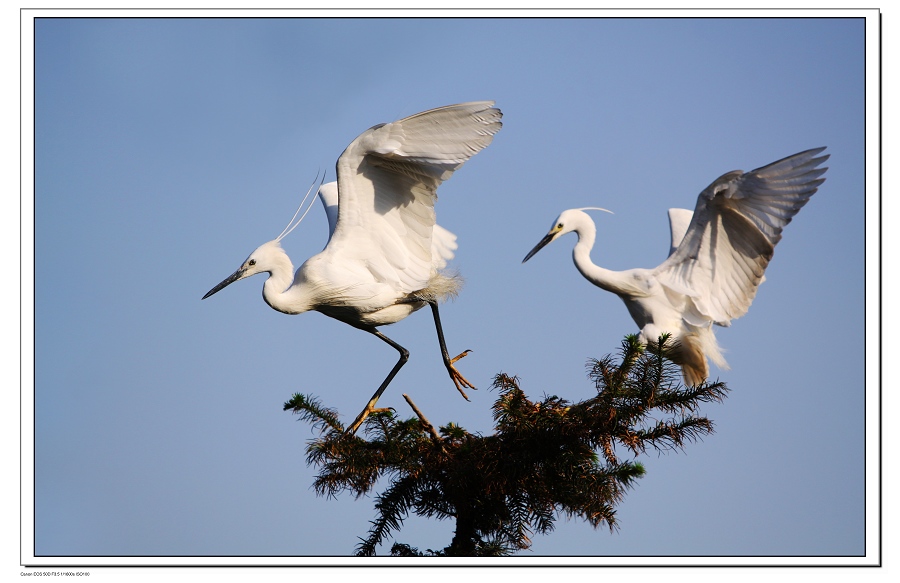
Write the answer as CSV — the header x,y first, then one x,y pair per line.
x,y
281,292
611,281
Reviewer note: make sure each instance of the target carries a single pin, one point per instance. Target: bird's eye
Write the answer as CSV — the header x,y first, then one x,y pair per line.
x,y
559,226
251,262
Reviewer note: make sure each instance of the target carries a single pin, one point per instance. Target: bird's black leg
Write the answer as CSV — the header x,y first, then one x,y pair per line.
x,y
458,380
370,406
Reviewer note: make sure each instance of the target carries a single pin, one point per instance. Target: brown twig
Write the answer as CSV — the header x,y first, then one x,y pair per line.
x,y
425,422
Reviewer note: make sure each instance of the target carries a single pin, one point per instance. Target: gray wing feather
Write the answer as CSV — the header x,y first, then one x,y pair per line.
x,y
737,222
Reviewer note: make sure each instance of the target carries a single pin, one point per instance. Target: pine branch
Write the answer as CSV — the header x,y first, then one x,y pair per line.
x,y
310,409
392,507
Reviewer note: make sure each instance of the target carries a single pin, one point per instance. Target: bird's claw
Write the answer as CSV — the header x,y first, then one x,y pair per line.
x,y
460,355
457,378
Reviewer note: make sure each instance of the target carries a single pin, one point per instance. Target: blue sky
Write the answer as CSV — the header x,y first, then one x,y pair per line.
x,y
168,149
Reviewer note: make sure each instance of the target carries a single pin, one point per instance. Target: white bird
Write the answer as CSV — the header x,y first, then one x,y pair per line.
x,y
717,258
385,255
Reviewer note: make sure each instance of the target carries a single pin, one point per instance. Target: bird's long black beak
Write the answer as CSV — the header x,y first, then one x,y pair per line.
x,y
225,282
539,246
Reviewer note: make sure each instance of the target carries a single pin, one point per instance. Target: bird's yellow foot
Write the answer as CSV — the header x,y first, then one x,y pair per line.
x,y
370,408
460,355
459,380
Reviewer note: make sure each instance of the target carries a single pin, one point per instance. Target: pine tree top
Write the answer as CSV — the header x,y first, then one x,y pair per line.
x,y
545,458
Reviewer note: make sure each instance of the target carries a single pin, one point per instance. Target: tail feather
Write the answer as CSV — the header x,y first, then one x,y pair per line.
x,y
711,348
691,351
688,352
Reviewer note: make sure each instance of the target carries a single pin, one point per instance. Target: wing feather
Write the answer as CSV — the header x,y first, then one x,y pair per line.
x,y
679,220
387,187
443,245
737,222
328,194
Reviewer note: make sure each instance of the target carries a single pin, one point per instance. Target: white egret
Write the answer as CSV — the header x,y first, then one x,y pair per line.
x,y
717,258
385,256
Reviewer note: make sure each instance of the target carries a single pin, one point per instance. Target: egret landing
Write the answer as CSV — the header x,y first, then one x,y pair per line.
x,y
717,258
385,257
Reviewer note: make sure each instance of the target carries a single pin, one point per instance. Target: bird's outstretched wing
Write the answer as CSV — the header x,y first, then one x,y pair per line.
x,y
738,221
443,242
387,186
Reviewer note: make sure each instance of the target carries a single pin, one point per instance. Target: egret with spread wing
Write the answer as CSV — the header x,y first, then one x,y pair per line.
x,y
385,255
717,257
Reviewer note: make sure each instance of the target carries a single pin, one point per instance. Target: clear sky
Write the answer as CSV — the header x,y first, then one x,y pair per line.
x,y
168,149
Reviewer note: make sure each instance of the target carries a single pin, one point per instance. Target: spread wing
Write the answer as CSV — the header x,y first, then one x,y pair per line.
x,y
731,238
443,242
387,187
